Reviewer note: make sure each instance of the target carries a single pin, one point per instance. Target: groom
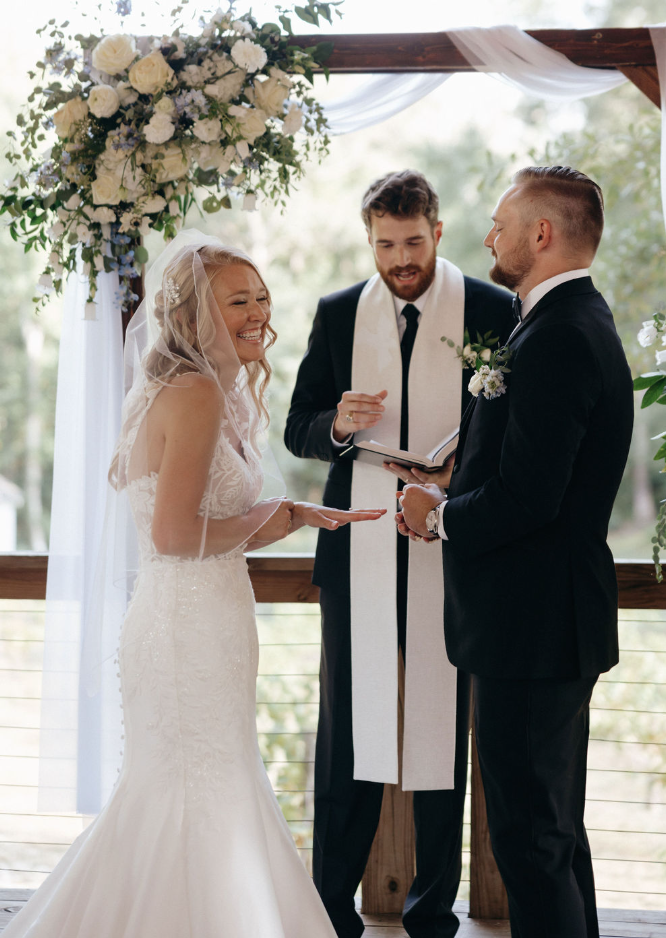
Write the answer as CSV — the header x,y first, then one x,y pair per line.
x,y
373,360
531,595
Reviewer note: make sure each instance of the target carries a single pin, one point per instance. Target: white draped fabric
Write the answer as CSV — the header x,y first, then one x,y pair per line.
x,y
81,734
80,739
658,36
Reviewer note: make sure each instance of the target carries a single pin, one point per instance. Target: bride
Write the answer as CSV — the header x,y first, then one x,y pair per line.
x,y
192,843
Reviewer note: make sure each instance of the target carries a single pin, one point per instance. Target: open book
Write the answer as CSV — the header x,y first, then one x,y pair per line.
x,y
376,453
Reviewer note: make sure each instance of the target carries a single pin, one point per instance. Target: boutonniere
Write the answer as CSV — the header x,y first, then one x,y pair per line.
x,y
473,354
489,378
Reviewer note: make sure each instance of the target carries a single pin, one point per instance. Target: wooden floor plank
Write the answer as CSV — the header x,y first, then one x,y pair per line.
x,y
614,923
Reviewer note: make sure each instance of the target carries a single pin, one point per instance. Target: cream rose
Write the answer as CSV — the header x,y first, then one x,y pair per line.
x,y
270,95
475,385
216,157
126,93
165,106
151,73
228,87
106,189
159,128
114,54
207,130
252,121
73,112
293,120
173,165
103,101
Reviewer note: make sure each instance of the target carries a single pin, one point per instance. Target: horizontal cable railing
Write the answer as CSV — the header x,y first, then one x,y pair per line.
x,y
626,805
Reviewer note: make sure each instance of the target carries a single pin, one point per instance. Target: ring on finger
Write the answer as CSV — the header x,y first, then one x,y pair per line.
x,y
349,418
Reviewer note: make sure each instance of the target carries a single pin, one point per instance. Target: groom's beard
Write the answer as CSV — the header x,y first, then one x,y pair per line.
x,y
410,291
514,269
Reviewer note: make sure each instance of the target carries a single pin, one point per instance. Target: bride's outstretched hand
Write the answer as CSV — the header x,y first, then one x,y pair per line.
x,y
319,516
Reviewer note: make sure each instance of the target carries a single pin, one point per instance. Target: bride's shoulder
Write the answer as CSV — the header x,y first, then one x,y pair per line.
x,y
190,393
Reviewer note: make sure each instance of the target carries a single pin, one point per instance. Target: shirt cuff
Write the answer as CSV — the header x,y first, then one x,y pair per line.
x,y
440,522
340,443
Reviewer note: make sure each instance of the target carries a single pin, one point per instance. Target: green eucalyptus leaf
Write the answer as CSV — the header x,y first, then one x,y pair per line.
x,y
645,381
653,392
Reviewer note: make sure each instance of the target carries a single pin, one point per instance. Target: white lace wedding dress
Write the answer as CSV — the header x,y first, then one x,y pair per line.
x,y
192,843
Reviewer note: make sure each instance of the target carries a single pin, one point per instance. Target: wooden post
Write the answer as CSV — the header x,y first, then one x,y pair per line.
x,y
391,865
487,895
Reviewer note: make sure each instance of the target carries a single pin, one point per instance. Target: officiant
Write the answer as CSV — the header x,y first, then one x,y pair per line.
x,y
374,365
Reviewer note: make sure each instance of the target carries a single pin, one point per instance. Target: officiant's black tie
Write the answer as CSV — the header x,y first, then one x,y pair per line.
x,y
411,314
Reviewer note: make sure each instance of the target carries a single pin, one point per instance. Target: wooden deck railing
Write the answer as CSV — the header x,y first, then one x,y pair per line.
x,y
286,578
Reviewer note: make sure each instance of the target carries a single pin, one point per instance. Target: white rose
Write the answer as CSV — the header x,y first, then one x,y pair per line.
x,y
250,202
131,178
648,334
165,106
82,233
103,101
270,95
216,157
293,120
103,215
193,75
126,93
151,73
661,358
240,26
56,231
73,202
173,165
114,54
249,55
45,284
106,189
159,128
252,121
155,204
475,385
207,130
227,88
73,112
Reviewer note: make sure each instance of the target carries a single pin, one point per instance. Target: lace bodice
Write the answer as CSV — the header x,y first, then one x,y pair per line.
x,y
234,484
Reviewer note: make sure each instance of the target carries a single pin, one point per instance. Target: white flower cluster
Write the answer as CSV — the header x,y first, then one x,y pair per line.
x,y
649,334
489,380
153,124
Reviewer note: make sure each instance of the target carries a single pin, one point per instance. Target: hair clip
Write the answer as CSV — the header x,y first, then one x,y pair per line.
x,y
171,292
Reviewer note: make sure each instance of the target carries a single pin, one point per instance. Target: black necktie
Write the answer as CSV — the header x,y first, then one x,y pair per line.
x,y
517,304
411,314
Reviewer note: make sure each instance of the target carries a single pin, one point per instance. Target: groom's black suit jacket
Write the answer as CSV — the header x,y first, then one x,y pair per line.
x,y
323,376
530,580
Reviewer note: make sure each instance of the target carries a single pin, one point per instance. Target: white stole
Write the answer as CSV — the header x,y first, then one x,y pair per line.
x,y
430,680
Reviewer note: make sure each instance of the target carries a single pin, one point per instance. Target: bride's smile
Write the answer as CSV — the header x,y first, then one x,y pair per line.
x,y
245,306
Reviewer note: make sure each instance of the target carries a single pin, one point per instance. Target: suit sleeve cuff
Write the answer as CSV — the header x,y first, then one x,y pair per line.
x,y
339,444
440,523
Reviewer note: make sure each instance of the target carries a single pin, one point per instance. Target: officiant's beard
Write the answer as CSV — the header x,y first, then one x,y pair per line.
x,y
514,269
412,291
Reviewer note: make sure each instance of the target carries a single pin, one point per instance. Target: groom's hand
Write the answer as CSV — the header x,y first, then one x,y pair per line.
x,y
416,501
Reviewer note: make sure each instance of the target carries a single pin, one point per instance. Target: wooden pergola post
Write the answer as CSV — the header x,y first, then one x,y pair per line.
x,y
391,865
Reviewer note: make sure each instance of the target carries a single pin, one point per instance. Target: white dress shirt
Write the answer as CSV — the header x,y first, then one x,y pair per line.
x,y
536,293
399,305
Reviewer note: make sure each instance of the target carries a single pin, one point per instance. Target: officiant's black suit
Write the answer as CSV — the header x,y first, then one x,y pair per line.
x,y
347,811
531,594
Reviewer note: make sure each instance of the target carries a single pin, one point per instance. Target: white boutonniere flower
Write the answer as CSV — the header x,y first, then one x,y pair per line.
x,y
489,377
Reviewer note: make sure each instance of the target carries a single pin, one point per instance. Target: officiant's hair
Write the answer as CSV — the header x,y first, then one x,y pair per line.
x,y
575,199
406,194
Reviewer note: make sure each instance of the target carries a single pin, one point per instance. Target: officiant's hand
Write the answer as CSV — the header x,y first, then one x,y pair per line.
x,y
413,476
416,501
357,411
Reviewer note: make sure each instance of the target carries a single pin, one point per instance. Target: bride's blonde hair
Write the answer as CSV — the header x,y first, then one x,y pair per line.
x,y
186,322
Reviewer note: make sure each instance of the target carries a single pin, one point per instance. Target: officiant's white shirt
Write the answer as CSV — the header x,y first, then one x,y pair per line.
x,y
536,293
399,305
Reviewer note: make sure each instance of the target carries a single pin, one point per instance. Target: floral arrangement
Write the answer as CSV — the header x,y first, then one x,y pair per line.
x,y
142,126
654,385
489,366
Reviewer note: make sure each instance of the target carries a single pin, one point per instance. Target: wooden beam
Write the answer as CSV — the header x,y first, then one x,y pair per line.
x,y
435,52
286,578
646,79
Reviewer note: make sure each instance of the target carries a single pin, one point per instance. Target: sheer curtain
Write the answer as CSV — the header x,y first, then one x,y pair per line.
x,y
81,734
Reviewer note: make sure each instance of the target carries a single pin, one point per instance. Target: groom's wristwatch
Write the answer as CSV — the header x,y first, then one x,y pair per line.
x,y
432,521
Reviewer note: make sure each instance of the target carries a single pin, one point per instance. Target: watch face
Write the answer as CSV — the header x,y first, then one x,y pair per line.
x,y
431,521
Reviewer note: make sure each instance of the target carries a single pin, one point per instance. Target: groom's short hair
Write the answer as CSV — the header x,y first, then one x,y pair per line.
x,y
405,194
576,201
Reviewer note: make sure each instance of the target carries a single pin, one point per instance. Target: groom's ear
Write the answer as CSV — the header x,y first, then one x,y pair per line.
x,y
543,234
